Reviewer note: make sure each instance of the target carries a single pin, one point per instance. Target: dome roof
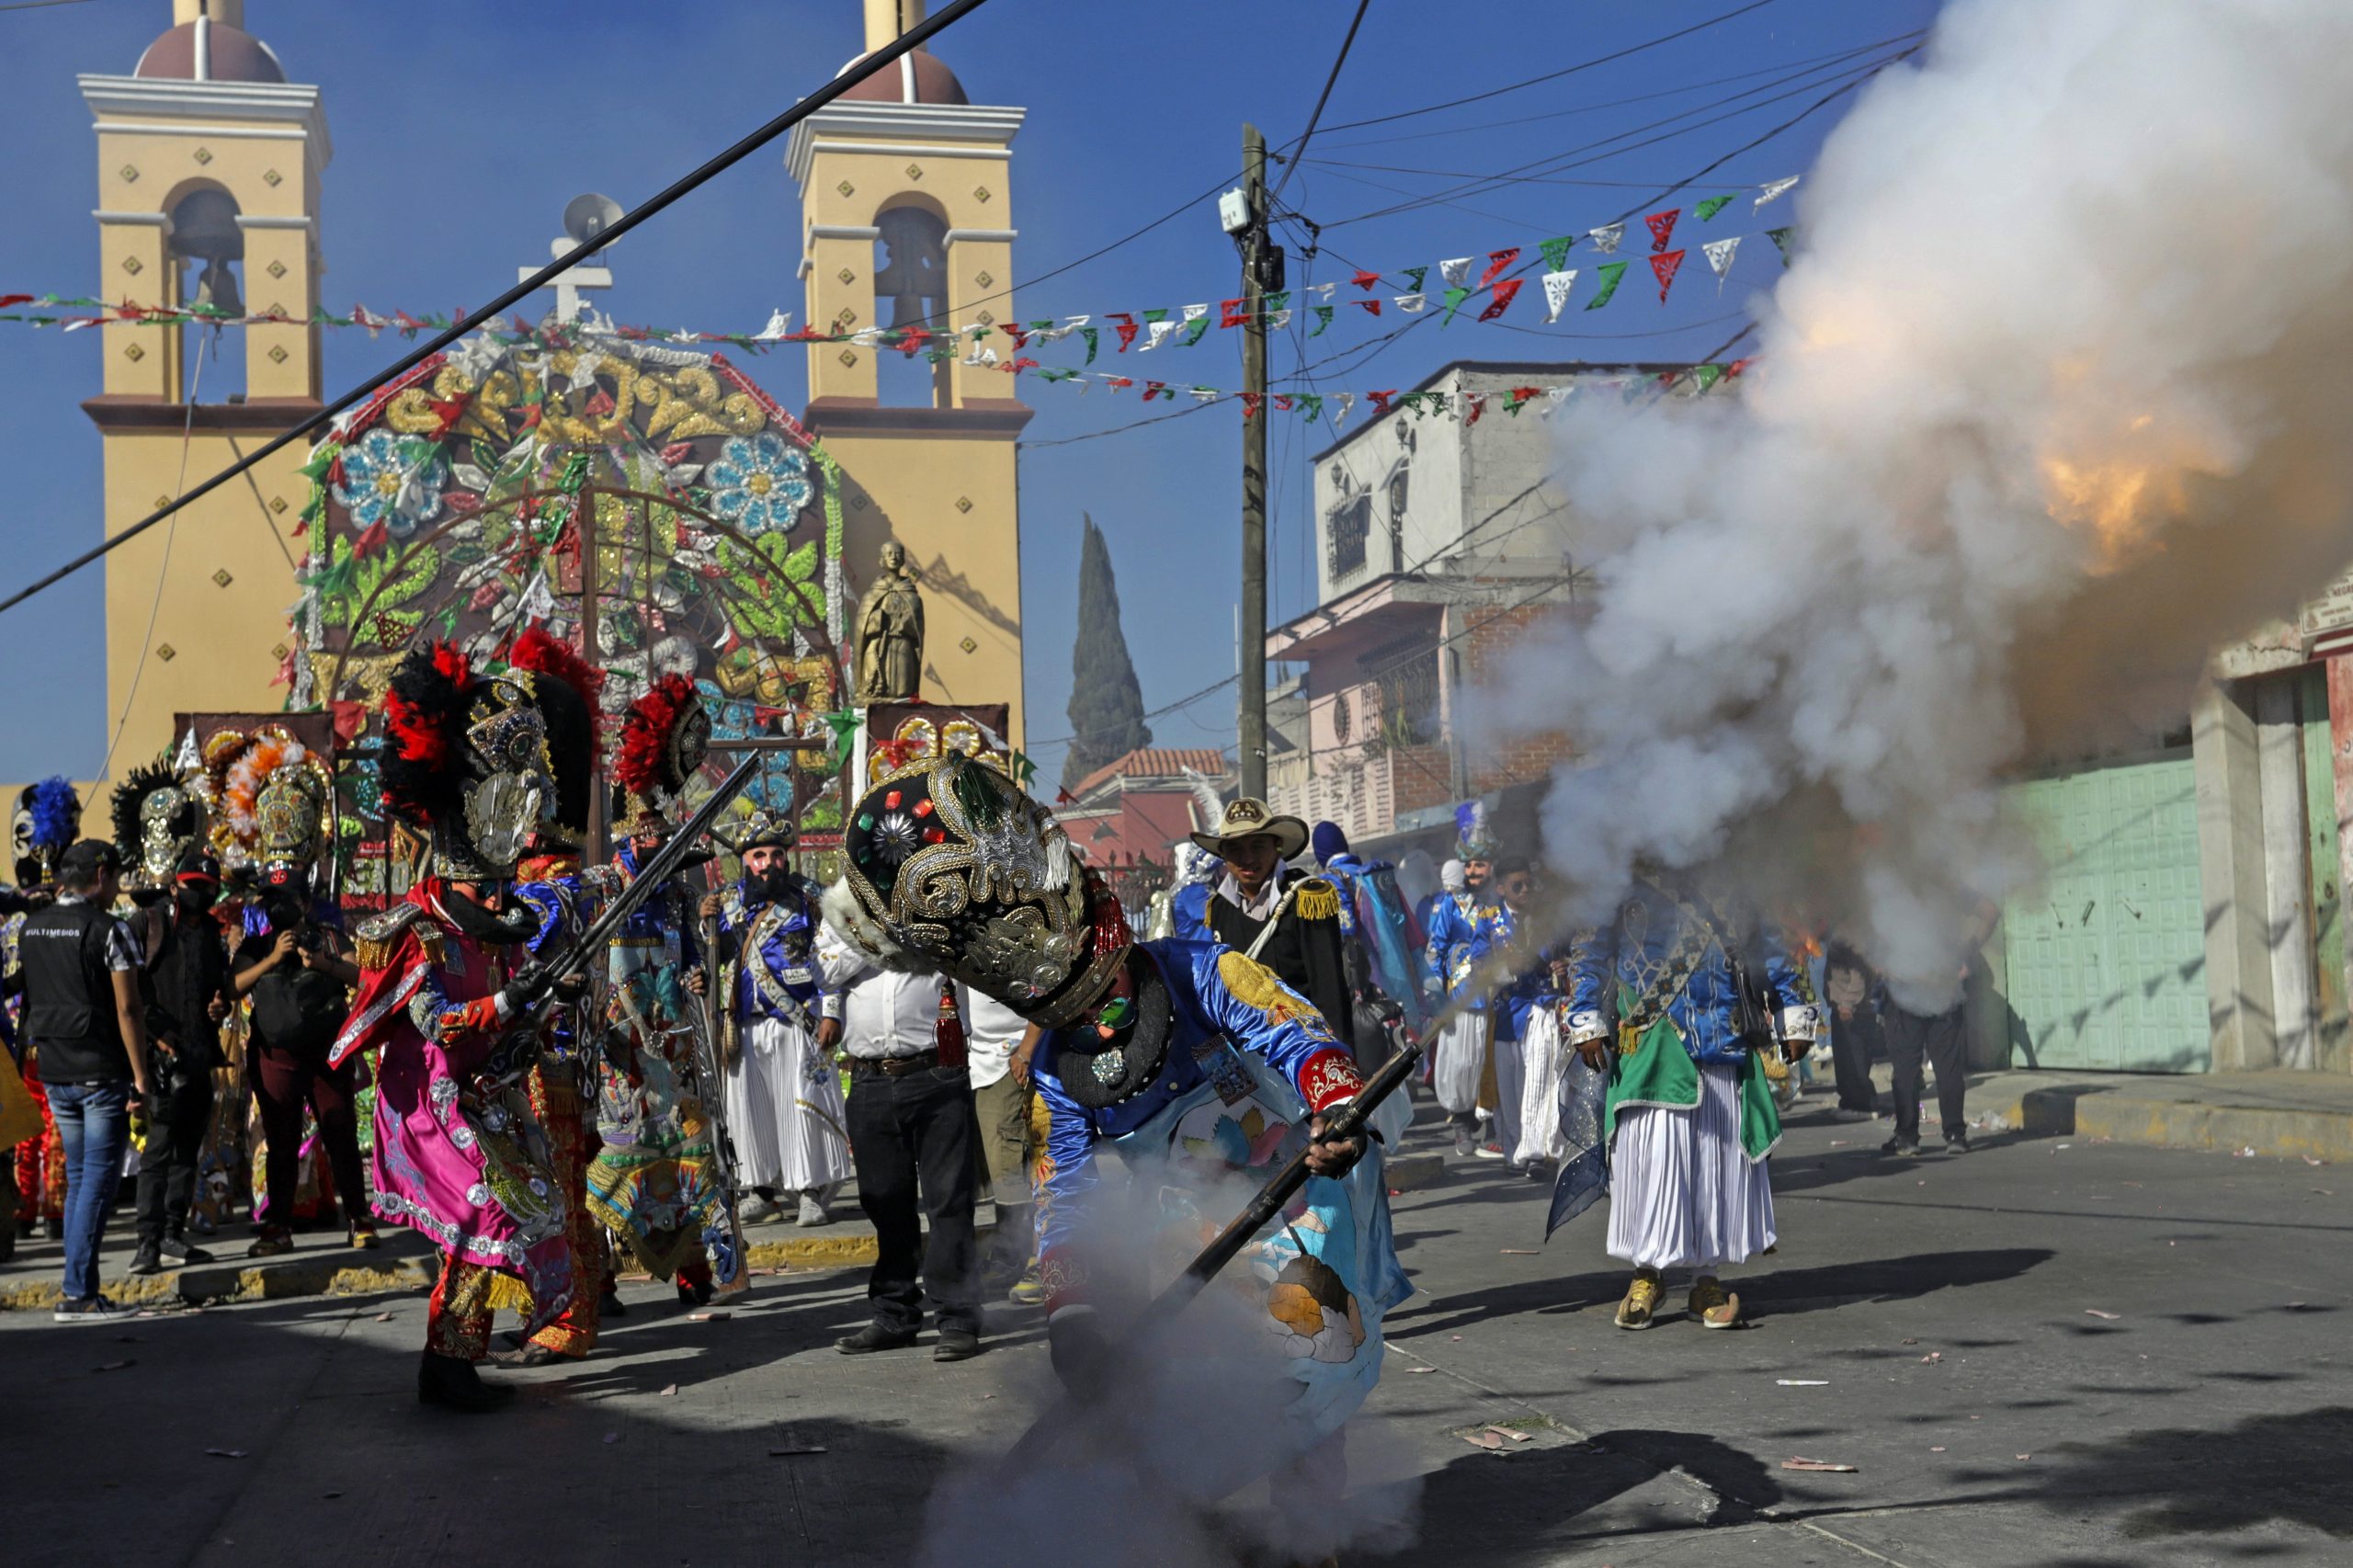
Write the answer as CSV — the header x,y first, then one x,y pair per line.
x,y
207,50
919,78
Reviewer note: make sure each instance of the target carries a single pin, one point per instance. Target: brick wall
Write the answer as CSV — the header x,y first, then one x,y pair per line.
x,y
1489,632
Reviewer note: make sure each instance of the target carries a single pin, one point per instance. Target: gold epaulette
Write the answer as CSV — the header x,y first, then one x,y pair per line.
x,y
373,944
1317,899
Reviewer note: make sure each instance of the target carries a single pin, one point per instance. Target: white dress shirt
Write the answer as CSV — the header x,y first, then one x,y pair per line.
x,y
991,1031
882,1012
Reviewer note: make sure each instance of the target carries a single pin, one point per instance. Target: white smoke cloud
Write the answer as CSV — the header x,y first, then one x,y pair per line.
x,y
2047,408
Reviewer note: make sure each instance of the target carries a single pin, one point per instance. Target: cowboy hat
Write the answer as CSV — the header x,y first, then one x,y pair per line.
x,y
1245,816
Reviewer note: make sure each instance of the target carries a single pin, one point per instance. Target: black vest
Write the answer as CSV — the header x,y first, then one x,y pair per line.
x,y
69,995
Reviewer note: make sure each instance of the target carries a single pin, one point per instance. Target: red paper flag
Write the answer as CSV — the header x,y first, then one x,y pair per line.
x,y
1737,366
1666,266
1381,400
1116,382
1154,389
1373,305
1020,337
1126,327
1478,402
1229,313
1283,401
6,300
1661,225
1250,401
1505,292
1362,280
1496,261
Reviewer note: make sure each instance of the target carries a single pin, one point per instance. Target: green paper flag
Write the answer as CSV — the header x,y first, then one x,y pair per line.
x,y
1710,208
1059,373
1323,319
1157,312
1556,252
1090,334
1784,240
1709,376
1413,276
1609,272
1311,405
1277,301
1193,331
1454,297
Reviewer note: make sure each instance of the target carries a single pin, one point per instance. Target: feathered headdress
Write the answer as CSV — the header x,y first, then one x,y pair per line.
x,y
1474,839
569,691
157,820
271,799
48,816
665,735
467,760
1205,797
425,723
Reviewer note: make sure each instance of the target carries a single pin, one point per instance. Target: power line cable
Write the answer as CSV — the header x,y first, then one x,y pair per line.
x,y
889,55
1291,165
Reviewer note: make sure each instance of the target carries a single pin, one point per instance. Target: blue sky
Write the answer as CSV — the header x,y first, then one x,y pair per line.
x,y
462,126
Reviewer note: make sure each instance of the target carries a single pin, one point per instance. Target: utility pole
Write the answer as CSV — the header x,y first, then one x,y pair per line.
x,y
1257,256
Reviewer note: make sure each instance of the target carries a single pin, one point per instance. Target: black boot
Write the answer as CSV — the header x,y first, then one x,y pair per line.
x,y
453,1383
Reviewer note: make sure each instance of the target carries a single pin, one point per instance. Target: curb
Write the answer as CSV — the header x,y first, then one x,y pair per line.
x,y
2121,1116
326,1274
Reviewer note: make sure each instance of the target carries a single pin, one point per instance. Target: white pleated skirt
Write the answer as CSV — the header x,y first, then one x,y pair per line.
x,y
1458,1059
784,1111
1682,1191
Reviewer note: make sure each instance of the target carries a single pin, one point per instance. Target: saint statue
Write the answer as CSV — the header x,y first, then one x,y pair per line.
x,y
890,632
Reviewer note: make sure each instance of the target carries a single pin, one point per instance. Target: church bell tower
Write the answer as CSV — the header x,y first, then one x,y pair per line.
x,y
906,208
208,165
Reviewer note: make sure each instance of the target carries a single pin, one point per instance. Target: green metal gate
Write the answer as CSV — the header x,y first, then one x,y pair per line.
x,y
2106,959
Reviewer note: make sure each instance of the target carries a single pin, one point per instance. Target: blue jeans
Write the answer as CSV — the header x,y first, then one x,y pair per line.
x,y
94,1122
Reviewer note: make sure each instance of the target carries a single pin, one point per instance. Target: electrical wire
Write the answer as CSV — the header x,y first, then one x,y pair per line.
x,y
1322,98
858,72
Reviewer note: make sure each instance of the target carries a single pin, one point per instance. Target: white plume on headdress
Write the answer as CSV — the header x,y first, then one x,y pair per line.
x,y
1206,797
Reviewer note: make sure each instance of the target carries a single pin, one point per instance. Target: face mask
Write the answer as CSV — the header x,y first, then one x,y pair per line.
x,y
195,900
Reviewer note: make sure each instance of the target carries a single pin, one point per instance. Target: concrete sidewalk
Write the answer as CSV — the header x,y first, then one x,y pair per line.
x,y
2281,1115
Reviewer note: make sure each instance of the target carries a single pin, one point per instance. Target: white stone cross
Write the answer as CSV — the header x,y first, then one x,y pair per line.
x,y
569,283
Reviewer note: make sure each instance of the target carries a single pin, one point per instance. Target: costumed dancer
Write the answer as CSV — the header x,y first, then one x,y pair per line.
x,y
1460,1069
561,1080
1384,942
1691,987
186,985
1284,918
48,821
458,1155
274,806
1190,1061
784,1099
655,1182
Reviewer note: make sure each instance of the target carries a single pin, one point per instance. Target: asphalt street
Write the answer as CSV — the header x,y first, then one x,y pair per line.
x,y
2044,1352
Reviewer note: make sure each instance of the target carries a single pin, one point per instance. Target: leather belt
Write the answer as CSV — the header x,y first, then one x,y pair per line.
x,y
892,1066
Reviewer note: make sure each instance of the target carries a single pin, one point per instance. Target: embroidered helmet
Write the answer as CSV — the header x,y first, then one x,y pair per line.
x,y
467,761
567,689
157,821
950,867
665,736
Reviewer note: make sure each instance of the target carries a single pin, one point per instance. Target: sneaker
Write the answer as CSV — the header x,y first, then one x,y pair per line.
x,y
956,1344
1029,1291
273,1240
1899,1144
98,1309
1957,1142
148,1259
1642,1300
760,1211
177,1249
1489,1151
1464,1144
1712,1306
812,1212
1849,1113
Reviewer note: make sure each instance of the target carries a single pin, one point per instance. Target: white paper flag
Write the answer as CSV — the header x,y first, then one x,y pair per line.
x,y
1409,303
779,322
1555,396
1776,188
1278,320
1323,291
1606,240
1556,292
1160,331
1457,272
1720,257
1078,321
1341,404
869,337
1205,394
538,599
1195,312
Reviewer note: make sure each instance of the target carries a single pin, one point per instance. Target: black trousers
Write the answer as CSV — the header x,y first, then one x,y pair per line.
x,y
912,1140
178,1114
1942,1041
1851,1039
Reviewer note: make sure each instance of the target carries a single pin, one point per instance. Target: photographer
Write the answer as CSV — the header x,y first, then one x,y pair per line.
x,y
187,991
297,969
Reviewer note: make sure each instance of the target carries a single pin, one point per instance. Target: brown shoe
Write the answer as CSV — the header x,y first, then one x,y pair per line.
x,y
1642,1300
529,1355
273,1240
1712,1306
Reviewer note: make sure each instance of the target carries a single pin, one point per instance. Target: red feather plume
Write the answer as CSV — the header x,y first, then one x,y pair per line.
x,y
642,764
423,716
543,654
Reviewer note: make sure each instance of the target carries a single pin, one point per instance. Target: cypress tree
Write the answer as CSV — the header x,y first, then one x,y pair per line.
x,y
1105,704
